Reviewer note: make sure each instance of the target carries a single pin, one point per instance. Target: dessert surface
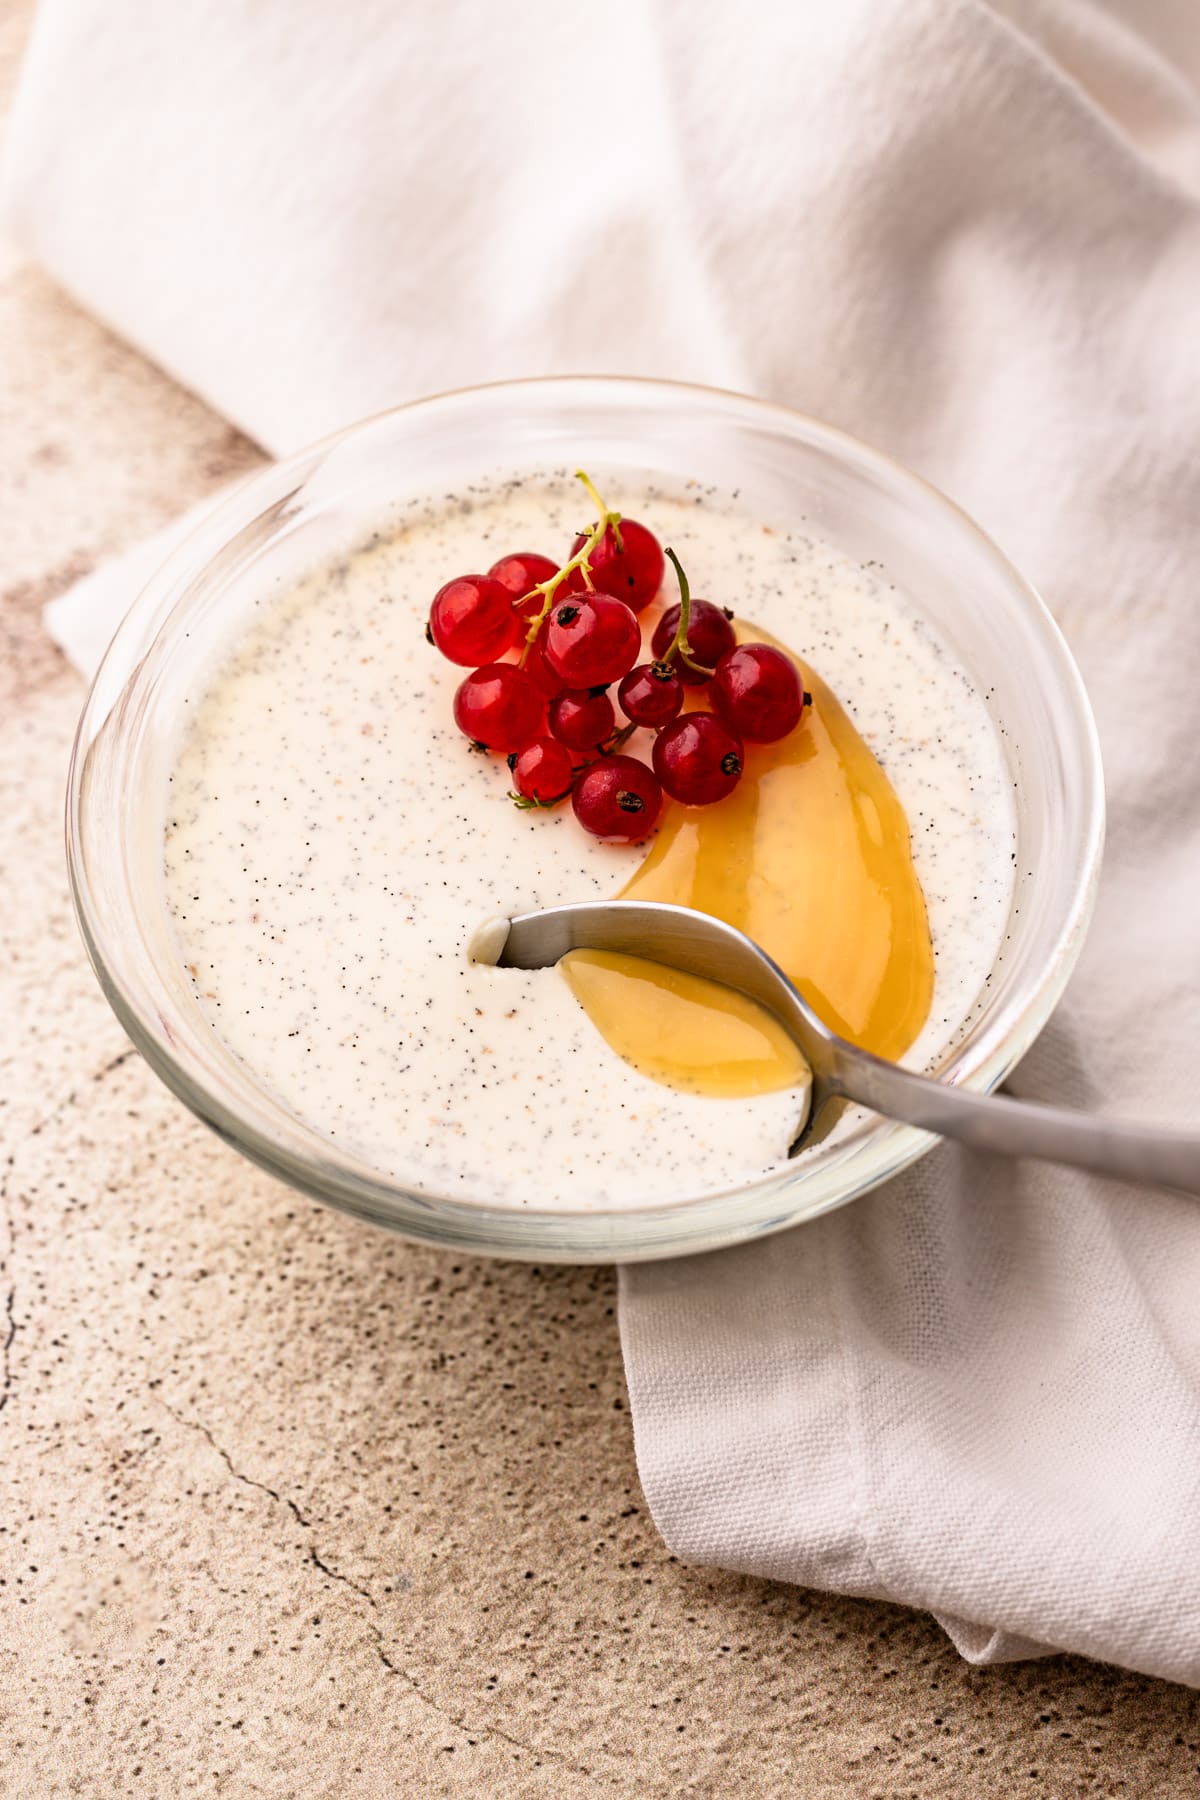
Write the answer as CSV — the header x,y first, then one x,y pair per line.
x,y
333,842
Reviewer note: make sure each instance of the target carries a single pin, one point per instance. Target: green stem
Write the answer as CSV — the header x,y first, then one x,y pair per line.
x,y
524,803
679,643
581,561
593,494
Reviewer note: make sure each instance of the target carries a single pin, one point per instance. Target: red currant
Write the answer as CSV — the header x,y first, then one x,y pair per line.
x,y
583,718
520,574
472,620
757,691
591,640
617,799
710,634
632,573
651,694
500,707
542,771
697,759
539,670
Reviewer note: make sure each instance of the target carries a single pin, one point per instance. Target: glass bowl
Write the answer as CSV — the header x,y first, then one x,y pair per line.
x,y
318,504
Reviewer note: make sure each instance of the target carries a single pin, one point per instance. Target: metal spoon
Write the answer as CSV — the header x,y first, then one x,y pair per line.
x,y
700,945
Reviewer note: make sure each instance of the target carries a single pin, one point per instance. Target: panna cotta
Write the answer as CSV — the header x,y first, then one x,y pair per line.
x,y
333,845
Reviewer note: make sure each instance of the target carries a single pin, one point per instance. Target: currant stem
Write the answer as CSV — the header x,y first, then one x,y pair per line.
x,y
679,643
530,803
581,561
593,494
609,749
591,490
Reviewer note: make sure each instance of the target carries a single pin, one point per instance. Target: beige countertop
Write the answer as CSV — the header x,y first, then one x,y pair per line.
x,y
289,1507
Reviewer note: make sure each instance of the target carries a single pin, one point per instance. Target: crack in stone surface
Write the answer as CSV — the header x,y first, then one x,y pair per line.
x,y
10,1301
474,1733
98,1075
336,1575
471,1731
482,1733
238,1474
10,1298
115,1062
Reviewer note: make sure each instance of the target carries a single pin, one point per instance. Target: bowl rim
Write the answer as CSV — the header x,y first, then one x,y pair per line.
x,y
685,1225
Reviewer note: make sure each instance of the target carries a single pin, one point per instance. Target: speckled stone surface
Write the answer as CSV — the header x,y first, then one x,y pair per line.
x,y
288,1507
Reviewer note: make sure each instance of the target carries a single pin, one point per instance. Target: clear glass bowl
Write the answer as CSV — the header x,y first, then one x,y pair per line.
x,y
319,504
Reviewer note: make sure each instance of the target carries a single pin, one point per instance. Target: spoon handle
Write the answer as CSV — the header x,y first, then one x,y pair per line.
x,y
995,1122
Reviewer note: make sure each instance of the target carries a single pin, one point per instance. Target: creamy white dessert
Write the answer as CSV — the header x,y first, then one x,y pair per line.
x,y
333,844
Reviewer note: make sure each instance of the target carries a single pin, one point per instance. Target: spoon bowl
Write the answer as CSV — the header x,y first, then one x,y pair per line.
x,y
695,943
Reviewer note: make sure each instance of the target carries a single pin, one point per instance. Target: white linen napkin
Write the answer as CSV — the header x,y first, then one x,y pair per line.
x,y
971,234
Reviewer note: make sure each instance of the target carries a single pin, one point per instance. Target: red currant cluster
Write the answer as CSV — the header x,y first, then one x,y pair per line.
x,y
568,633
